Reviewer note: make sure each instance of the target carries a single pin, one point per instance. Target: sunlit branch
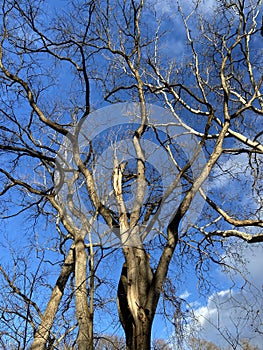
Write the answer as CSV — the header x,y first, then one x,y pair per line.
x,y
229,219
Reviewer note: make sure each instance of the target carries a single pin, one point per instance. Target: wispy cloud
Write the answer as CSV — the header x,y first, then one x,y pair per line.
x,y
171,7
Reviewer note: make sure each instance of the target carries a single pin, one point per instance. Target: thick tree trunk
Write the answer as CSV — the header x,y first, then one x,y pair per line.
x,y
83,314
140,288
42,334
142,334
136,315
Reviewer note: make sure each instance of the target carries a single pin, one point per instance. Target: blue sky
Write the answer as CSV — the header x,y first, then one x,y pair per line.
x,y
231,301
228,293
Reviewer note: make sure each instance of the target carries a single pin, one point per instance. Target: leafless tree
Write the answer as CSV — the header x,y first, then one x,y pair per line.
x,y
56,68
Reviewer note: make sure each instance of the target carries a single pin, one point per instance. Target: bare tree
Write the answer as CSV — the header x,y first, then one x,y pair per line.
x,y
203,344
209,98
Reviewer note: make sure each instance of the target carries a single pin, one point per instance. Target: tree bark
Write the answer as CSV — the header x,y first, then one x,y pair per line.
x,y
42,334
133,290
140,288
83,314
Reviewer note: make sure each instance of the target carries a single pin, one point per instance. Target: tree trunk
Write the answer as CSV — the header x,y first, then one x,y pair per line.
x,y
42,334
136,315
139,289
83,314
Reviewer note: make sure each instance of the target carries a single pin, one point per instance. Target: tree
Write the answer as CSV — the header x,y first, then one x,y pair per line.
x,y
203,344
160,344
54,151
197,344
110,343
247,346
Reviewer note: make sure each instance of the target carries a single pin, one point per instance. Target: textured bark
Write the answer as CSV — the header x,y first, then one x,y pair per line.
x,y
140,288
134,287
83,314
42,335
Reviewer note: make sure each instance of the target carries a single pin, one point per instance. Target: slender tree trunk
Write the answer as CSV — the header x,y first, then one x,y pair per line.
x,y
83,314
42,334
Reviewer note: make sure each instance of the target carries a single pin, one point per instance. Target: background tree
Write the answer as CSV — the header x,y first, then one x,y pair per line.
x,y
212,91
197,344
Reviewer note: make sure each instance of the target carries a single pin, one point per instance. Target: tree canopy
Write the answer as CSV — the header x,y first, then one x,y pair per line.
x,y
130,162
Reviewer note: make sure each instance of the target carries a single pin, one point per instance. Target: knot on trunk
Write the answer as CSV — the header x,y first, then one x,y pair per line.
x,y
143,314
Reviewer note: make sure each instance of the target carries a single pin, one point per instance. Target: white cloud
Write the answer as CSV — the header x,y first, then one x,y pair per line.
x,y
229,317
254,265
206,7
184,295
164,6
232,182
248,259
236,313
230,169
